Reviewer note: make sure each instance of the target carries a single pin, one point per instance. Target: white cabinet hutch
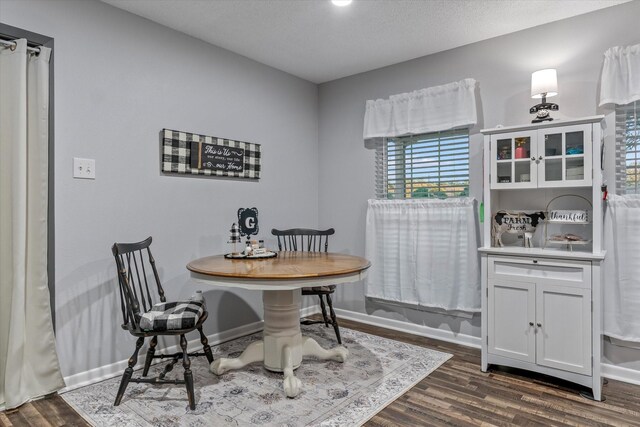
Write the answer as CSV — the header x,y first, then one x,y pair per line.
x,y
541,305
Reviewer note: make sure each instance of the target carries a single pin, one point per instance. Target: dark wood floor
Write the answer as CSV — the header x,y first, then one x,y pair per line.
x,y
456,394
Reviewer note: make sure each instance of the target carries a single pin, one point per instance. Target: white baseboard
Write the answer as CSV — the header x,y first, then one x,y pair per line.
x,y
418,307
308,311
421,330
116,369
619,373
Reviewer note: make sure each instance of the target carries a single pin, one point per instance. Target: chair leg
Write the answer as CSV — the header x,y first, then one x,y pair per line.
x,y
205,346
150,352
334,320
126,377
188,375
324,312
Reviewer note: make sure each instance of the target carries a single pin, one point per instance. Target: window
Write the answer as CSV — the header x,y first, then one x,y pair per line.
x,y
433,165
628,148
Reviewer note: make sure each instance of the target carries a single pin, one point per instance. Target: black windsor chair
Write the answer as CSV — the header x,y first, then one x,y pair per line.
x,y
305,239
143,318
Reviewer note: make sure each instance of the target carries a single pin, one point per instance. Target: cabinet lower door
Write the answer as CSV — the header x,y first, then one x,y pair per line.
x,y
511,312
563,320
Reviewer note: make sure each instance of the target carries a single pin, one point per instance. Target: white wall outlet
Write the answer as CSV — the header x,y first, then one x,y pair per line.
x,y
84,168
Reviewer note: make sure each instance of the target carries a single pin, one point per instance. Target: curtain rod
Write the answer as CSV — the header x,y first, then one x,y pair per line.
x,y
11,44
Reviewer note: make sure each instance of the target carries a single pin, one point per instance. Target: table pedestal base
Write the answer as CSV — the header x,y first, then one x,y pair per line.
x,y
283,345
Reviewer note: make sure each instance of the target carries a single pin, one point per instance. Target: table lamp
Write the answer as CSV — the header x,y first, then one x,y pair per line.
x,y
543,83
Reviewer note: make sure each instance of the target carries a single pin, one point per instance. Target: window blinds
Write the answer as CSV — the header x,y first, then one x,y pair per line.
x,y
434,165
628,148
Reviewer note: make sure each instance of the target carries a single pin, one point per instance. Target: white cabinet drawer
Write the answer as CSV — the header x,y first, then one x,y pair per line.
x,y
563,272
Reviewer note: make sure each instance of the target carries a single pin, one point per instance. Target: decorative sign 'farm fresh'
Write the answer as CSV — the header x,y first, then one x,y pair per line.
x,y
216,157
514,223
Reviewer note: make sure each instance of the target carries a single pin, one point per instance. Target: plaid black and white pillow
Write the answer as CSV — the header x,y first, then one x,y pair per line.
x,y
168,316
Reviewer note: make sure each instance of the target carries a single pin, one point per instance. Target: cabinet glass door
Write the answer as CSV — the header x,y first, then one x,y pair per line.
x,y
574,151
511,164
553,157
563,154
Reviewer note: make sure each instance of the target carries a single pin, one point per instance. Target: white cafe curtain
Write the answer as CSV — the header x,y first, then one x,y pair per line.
x,y
424,252
620,82
28,360
432,109
622,268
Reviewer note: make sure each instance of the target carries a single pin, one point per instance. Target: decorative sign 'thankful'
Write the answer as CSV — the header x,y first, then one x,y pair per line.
x,y
578,217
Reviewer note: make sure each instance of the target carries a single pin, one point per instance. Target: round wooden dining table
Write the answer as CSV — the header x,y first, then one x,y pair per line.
x,y
280,279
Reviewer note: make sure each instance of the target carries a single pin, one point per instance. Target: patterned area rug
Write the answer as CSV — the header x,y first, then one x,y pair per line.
x,y
377,371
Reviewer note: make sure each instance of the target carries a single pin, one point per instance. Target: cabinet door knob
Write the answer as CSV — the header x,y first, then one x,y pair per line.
x,y
540,158
539,325
533,159
530,323
535,261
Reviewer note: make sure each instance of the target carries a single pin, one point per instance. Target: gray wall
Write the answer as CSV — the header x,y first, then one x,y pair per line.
x,y
120,79
503,68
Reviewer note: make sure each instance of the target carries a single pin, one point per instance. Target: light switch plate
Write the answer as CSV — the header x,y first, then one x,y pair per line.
x,y
84,168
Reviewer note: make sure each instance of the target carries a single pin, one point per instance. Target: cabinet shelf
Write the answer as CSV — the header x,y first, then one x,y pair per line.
x,y
542,253
569,242
555,221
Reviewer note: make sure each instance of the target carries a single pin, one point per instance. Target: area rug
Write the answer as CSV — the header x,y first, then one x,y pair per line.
x,y
377,371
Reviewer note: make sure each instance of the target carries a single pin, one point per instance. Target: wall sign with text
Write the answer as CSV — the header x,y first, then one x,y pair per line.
x,y
193,154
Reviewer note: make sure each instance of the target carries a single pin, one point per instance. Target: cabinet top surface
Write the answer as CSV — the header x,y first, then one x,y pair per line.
x,y
535,126
543,253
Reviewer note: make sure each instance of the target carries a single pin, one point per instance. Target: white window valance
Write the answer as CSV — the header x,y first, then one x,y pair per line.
x,y
427,110
620,82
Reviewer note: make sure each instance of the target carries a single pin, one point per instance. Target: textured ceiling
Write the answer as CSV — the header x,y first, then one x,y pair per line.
x,y
319,42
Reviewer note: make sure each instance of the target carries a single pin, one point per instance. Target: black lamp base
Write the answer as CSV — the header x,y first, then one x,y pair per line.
x,y
544,118
542,111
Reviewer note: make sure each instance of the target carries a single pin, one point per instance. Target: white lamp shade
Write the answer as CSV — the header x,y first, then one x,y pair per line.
x,y
544,82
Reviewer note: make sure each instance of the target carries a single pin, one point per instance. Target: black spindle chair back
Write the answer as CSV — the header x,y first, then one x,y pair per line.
x,y
303,239
138,280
